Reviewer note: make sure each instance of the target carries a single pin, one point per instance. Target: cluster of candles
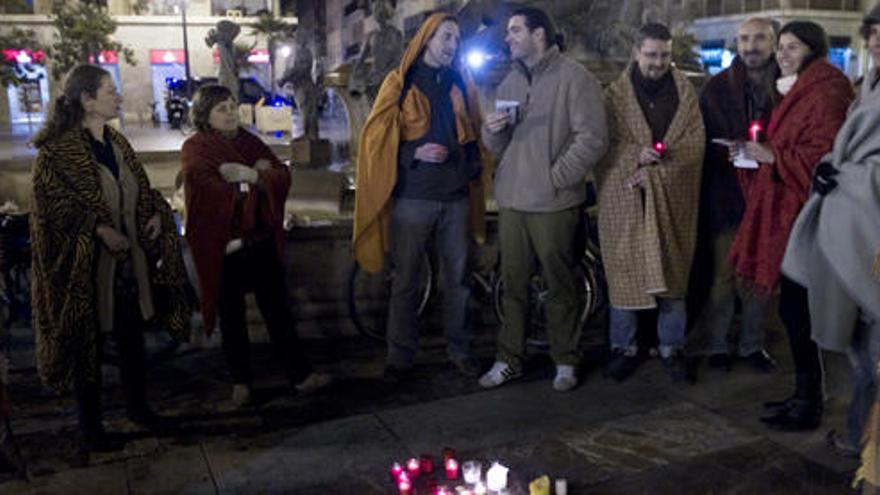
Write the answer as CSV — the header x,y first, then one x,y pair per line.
x,y
405,476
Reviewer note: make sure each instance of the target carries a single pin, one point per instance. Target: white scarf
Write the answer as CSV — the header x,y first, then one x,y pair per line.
x,y
784,84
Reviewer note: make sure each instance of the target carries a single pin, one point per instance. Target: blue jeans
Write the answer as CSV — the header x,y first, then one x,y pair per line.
x,y
671,322
715,318
863,356
415,222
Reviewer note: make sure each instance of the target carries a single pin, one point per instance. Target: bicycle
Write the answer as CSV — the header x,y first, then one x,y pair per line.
x,y
367,295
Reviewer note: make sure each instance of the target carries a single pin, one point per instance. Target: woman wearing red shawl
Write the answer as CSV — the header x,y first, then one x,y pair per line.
x,y
235,189
801,130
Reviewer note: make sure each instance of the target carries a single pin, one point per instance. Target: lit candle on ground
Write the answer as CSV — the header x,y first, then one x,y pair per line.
x,y
451,469
496,477
472,471
479,488
404,487
448,453
413,467
561,487
396,471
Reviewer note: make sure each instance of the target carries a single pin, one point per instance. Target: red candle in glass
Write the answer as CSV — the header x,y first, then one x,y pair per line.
x,y
755,129
448,453
413,468
404,487
426,463
396,471
451,469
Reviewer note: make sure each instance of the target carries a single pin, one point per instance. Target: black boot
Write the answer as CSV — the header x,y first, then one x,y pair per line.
x,y
801,415
136,405
775,407
801,412
93,438
132,370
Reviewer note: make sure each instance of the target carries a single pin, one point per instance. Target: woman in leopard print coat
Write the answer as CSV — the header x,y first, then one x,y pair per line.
x,y
106,258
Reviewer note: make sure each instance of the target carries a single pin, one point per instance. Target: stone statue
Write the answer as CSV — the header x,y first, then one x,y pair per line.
x,y
306,90
386,47
223,36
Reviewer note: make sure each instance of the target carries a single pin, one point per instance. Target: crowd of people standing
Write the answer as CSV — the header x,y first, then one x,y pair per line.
x,y
761,185
705,201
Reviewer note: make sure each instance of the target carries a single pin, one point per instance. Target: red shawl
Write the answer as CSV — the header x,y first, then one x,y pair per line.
x,y
801,131
210,204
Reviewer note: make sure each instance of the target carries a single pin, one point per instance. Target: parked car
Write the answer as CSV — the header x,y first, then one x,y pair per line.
x,y
249,90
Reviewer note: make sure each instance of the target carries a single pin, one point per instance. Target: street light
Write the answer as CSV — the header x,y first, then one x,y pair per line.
x,y
182,5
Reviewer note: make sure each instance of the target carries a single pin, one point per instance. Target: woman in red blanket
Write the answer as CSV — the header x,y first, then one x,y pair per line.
x,y
235,189
815,98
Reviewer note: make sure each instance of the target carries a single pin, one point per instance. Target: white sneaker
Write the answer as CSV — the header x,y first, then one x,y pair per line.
x,y
565,378
500,374
313,382
241,394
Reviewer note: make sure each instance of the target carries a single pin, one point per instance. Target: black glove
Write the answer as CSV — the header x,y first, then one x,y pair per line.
x,y
823,178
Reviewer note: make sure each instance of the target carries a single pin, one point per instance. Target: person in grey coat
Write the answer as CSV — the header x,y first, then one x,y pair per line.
x,y
834,248
547,144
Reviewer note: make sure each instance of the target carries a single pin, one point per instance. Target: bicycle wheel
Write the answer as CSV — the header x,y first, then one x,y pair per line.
x,y
368,296
537,297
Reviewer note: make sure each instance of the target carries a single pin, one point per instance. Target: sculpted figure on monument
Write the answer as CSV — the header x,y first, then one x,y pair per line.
x,y
385,45
224,36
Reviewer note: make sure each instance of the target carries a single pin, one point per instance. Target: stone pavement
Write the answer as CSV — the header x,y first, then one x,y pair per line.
x,y
645,435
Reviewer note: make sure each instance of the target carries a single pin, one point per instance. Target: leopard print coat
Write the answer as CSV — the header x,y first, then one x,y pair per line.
x,y
67,207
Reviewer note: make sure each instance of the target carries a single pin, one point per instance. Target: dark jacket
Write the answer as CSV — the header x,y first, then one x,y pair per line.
x,y
730,102
444,181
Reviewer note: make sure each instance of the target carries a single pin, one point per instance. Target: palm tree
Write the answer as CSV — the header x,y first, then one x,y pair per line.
x,y
274,30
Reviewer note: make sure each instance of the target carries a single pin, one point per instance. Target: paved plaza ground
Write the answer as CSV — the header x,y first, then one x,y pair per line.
x,y
645,435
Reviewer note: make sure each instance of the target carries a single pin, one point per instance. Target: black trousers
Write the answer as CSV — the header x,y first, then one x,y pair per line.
x,y
795,313
128,333
258,268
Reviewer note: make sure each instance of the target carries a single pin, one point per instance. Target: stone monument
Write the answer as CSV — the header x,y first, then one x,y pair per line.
x,y
308,149
223,35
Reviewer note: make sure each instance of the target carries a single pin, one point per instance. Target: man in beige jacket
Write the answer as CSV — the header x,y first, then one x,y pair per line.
x,y
553,136
649,190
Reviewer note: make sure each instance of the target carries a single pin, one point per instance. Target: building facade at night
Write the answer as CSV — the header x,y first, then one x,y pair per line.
x,y
154,30
155,33
716,22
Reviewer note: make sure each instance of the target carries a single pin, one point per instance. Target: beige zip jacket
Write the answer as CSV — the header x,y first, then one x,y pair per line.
x,y
559,137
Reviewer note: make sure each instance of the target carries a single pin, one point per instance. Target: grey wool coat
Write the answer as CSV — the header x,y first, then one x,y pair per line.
x,y
834,248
